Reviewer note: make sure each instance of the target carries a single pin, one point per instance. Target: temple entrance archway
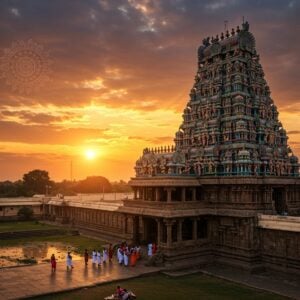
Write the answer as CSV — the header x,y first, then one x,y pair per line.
x,y
279,200
150,230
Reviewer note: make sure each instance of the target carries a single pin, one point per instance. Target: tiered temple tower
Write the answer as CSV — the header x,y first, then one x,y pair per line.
x,y
230,123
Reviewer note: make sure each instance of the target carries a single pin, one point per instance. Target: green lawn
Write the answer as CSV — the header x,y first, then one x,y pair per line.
x,y
161,287
26,225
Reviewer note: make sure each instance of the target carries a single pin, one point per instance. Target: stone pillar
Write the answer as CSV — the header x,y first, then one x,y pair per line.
x,y
179,231
157,194
195,229
124,224
169,234
169,195
183,194
135,229
158,230
135,193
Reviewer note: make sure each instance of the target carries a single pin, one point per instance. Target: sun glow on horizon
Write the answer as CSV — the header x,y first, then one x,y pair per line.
x,y
90,154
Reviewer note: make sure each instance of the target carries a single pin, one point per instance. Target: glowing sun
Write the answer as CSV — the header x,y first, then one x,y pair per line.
x,y
90,154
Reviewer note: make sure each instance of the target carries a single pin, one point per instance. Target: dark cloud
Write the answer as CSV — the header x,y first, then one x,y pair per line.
x,y
152,43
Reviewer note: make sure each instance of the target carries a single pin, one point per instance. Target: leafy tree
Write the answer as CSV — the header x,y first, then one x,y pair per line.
x,y
8,189
25,213
36,182
93,184
65,187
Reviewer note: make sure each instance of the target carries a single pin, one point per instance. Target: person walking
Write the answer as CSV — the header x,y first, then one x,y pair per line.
x,y
53,263
104,255
154,248
120,255
99,258
126,256
86,257
138,252
110,252
150,249
94,257
133,257
69,261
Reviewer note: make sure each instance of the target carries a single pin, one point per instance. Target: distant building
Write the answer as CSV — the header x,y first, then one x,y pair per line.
x,y
9,207
228,191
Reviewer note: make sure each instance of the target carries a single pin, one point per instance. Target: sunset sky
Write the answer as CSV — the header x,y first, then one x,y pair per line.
x,y
119,77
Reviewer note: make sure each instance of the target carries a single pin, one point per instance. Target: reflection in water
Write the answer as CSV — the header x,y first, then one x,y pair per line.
x,y
35,251
86,272
40,252
53,278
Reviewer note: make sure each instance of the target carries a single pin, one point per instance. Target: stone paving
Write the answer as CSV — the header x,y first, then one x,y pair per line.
x,y
27,281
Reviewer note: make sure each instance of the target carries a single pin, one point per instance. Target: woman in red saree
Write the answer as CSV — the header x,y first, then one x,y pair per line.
x,y
53,263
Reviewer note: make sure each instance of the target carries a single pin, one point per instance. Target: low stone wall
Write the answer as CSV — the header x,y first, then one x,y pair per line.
x,y
280,243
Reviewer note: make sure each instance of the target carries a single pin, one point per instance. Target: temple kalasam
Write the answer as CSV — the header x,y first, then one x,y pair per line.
x,y
228,190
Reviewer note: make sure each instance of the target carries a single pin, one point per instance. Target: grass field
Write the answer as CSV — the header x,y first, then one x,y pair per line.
x,y
161,287
26,225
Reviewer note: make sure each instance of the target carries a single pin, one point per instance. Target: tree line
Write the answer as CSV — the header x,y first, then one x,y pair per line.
x,y
39,182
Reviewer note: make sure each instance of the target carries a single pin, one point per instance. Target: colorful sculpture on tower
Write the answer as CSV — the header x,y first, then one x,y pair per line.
x,y
230,123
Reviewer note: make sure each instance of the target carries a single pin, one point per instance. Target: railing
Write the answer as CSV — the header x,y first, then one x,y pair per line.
x,y
161,149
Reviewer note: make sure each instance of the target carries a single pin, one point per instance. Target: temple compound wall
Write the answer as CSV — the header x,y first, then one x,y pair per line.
x,y
203,221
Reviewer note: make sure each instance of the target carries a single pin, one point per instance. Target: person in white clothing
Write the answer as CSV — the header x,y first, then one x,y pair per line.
x,y
150,249
104,255
99,258
120,255
94,257
69,261
126,257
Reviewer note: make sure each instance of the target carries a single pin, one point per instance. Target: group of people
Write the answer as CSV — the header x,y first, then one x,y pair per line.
x,y
69,262
128,255
98,258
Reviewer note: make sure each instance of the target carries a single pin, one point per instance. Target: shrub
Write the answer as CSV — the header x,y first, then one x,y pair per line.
x,y
25,213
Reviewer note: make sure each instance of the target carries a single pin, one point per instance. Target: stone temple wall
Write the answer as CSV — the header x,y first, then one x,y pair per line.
x,y
279,242
253,243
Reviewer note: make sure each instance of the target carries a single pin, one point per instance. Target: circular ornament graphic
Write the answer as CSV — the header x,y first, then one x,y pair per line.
x,y
25,66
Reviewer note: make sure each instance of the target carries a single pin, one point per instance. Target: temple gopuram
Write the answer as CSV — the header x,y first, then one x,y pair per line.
x,y
228,190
